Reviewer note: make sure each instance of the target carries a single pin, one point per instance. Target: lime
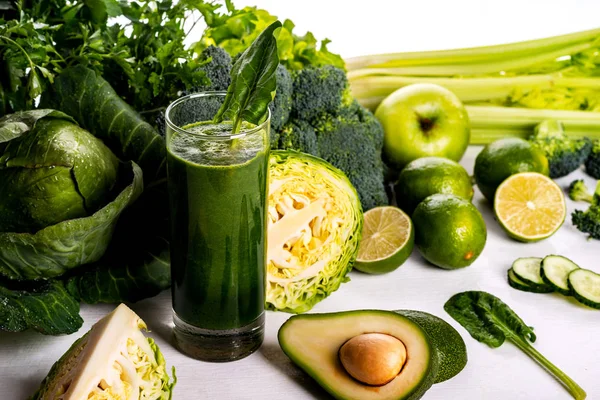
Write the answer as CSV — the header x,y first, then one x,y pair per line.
x,y
530,206
430,175
503,158
387,240
449,231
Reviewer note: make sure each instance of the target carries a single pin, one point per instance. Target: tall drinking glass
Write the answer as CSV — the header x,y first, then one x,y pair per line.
x,y
218,200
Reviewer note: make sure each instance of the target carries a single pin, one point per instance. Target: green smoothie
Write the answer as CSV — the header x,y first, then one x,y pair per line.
x,y
218,195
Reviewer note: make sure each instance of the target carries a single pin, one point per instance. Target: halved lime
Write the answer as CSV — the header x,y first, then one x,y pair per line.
x,y
387,240
530,206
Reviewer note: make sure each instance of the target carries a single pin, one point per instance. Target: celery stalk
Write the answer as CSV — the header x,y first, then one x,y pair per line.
x,y
478,68
472,54
472,89
490,123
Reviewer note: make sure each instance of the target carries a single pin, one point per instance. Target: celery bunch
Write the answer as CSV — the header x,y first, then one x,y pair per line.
x,y
508,88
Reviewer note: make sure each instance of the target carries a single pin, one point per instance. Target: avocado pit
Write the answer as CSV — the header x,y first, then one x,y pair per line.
x,y
373,358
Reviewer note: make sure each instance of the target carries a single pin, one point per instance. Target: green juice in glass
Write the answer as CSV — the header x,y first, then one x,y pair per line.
x,y
218,199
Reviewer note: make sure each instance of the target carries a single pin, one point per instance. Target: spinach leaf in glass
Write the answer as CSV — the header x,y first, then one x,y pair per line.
x,y
491,321
253,82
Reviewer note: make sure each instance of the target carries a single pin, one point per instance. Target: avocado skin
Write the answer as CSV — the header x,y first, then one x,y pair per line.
x,y
448,343
416,394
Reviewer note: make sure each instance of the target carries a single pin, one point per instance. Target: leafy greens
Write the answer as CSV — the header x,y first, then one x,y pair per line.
x,y
46,307
133,268
236,29
491,321
141,58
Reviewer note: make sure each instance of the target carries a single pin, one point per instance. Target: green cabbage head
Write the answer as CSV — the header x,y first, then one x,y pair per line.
x,y
51,170
62,192
113,361
315,221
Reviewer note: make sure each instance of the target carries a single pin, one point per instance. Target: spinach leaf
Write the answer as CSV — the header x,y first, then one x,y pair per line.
x,y
253,82
85,95
46,307
52,251
491,321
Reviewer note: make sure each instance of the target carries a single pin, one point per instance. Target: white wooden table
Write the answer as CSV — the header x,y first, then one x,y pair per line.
x,y
568,334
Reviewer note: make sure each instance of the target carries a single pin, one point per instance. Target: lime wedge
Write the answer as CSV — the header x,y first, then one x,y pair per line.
x,y
387,240
530,206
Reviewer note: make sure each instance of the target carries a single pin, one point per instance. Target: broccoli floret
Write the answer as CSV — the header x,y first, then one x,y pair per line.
x,y
592,164
353,143
299,136
281,107
217,70
588,221
578,191
319,90
564,154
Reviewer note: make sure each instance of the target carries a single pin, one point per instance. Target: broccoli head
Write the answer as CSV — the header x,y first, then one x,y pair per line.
x,y
564,154
299,136
588,221
352,142
319,90
217,70
578,191
592,164
281,107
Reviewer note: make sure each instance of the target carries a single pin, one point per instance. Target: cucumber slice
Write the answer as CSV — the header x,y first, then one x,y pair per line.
x,y
585,285
555,272
517,283
528,270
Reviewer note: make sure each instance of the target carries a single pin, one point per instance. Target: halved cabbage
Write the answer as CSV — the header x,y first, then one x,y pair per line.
x,y
315,220
113,361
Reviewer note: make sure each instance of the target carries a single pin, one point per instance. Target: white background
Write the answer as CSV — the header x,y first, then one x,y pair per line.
x,y
568,334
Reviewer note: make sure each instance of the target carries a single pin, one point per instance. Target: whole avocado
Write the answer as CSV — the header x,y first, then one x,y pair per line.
x,y
450,346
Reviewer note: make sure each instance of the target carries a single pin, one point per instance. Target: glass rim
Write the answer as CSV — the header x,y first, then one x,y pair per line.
x,y
185,98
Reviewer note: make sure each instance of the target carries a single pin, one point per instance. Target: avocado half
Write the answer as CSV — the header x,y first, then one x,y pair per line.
x,y
313,342
450,346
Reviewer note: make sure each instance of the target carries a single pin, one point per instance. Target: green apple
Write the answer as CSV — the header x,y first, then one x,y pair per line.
x,y
423,120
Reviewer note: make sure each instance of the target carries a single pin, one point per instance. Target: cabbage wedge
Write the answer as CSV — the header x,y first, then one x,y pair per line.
x,y
113,361
314,226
